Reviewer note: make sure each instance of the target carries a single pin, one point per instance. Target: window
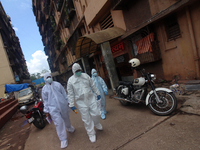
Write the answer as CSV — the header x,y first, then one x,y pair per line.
x,y
25,92
172,28
107,22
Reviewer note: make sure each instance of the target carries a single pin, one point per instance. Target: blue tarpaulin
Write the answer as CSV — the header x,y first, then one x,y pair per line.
x,y
15,87
39,81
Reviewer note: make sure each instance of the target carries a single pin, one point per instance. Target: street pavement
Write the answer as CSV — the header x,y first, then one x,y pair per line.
x,y
132,127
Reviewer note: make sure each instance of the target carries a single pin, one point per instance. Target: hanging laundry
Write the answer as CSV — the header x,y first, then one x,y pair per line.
x,y
144,45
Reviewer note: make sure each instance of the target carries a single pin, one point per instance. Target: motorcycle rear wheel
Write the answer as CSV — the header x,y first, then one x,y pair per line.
x,y
168,105
39,122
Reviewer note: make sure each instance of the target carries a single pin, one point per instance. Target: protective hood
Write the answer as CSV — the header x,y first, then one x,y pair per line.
x,y
45,77
92,72
75,67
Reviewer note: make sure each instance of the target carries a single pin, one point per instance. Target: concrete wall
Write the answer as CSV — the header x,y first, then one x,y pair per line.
x,y
195,13
157,6
118,19
95,9
6,75
136,13
177,55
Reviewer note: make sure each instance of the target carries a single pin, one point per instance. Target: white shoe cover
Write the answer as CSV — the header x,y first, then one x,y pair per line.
x,y
92,138
99,126
71,130
64,144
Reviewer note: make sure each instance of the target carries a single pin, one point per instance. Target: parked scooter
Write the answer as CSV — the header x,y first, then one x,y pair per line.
x,y
161,101
35,115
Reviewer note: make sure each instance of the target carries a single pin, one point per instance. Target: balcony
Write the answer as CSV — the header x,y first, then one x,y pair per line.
x,y
59,4
69,9
53,23
64,60
71,12
58,42
46,50
47,5
66,21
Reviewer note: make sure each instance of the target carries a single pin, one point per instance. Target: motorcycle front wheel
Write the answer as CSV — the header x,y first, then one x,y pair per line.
x,y
166,107
39,122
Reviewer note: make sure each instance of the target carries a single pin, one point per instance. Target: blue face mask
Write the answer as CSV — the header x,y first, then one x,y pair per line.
x,y
95,74
78,73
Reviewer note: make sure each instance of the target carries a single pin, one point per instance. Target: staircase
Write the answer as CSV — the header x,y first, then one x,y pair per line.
x,y
192,85
7,110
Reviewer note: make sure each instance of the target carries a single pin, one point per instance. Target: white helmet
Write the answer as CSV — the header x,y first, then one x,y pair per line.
x,y
134,62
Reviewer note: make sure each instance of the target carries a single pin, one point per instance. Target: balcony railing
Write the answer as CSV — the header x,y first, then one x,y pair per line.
x,y
150,56
59,4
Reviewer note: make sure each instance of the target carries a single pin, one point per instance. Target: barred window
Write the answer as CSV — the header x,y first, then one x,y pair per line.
x,y
172,28
107,22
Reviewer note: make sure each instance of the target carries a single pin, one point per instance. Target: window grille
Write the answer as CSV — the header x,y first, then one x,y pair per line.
x,y
172,28
149,56
107,22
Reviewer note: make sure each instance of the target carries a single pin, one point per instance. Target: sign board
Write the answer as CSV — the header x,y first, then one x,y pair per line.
x,y
117,47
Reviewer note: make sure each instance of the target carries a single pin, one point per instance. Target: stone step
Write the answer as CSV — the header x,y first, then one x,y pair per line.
x,y
5,102
194,87
7,115
192,82
190,85
7,106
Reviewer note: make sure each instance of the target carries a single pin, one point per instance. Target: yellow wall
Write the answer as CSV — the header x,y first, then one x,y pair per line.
x,y
6,75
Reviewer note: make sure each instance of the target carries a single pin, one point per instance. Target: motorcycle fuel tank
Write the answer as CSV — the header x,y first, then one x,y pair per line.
x,y
139,81
125,91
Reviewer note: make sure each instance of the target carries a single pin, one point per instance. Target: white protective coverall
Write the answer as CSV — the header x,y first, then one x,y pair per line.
x,y
102,87
56,104
79,89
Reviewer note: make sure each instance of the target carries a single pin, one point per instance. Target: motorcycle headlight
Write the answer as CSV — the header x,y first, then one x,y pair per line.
x,y
153,76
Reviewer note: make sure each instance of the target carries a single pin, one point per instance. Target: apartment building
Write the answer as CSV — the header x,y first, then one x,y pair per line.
x,y
106,34
12,63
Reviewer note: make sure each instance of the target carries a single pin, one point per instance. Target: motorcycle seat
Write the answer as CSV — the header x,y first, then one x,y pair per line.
x,y
127,83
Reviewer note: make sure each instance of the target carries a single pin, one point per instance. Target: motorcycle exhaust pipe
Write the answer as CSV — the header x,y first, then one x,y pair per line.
x,y
122,99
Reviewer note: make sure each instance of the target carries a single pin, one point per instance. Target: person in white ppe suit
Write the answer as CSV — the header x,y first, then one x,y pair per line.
x,y
102,87
56,106
79,88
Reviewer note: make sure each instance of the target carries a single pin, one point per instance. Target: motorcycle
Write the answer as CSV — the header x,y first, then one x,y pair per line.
x,y
35,115
161,101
